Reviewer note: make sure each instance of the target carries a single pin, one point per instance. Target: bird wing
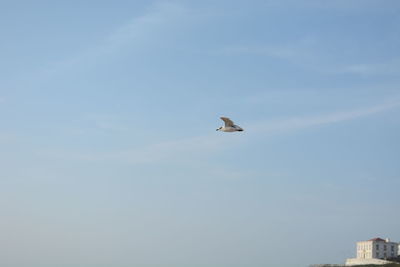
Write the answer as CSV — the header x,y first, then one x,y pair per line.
x,y
228,122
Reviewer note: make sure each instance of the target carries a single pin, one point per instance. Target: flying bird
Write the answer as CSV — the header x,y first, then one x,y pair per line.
x,y
229,126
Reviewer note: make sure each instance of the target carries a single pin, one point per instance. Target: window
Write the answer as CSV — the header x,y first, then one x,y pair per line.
x,y
384,247
377,254
377,246
392,248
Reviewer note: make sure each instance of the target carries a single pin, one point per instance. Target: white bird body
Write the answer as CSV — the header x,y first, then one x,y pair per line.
x,y
229,126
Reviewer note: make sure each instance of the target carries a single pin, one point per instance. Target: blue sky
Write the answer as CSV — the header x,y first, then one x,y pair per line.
x,y
108,145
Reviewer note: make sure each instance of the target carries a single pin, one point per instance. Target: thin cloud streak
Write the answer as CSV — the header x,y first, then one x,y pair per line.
x,y
136,34
193,148
295,51
296,123
156,19
388,68
307,53
175,150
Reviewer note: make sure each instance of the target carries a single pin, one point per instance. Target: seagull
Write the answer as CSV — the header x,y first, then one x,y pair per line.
x,y
229,126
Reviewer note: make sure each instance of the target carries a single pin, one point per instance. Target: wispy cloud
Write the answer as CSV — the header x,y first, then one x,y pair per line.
x,y
295,50
194,148
159,17
136,34
313,53
276,51
182,150
296,123
371,69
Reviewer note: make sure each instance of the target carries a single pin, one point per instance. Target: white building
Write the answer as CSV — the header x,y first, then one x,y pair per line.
x,y
374,251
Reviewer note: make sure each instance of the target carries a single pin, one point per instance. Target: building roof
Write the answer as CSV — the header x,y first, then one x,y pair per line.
x,y
377,239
